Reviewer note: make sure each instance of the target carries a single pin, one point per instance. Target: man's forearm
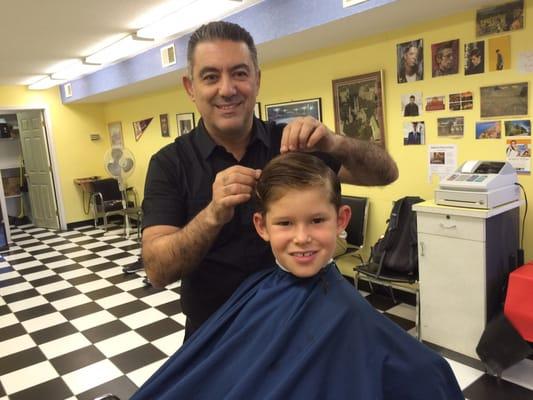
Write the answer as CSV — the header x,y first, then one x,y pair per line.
x,y
169,256
364,163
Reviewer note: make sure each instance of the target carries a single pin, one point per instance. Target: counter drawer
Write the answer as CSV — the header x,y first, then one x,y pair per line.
x,y
454,226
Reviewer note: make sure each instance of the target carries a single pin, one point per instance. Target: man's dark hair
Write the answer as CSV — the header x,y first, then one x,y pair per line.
x,y
475,52
220,30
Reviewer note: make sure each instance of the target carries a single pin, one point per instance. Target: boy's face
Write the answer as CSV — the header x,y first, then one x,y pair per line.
x,y
302,228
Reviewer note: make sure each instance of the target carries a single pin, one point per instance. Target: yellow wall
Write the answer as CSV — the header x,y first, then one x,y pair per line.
x,y
303,77
76,155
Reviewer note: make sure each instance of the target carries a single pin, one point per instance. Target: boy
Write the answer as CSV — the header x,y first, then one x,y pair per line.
x,y
300,330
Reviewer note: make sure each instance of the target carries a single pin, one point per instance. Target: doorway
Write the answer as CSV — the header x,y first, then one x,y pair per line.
x,y
28,160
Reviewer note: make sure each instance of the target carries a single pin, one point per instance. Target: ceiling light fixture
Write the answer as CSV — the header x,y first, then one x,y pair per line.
x,y
189,17
127,46
75,69
45,83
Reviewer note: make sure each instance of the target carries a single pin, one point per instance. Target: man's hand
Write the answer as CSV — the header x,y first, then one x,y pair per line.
x,y
306,134
232,186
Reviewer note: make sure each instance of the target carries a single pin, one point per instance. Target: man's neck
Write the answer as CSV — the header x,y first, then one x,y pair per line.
x,y
234,142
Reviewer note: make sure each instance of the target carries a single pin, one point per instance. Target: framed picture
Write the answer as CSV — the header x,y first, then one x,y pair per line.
x,y
499,49
435,103
115,134
410,61
445,58
358,104
504,100
411,104
501,18
450,126
489,130
185,123
163,120
414,132
520,127
257,110
474,58
285,112
461,101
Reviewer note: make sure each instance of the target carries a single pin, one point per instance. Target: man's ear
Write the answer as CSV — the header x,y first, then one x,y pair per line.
x,y
260,226
187,84
345,213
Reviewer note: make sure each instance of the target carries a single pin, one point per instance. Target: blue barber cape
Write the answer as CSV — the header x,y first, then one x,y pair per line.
x,y
283,337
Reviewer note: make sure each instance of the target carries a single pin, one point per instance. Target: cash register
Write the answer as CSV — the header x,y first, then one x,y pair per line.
x,y
479,184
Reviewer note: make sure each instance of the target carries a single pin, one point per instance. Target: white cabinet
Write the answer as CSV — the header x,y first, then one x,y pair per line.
x,y
464,258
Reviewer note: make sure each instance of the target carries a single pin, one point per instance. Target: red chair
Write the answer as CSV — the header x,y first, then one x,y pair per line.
x,y
519,300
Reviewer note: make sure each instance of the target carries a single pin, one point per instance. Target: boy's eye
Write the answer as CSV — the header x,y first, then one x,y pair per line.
x,y
282,223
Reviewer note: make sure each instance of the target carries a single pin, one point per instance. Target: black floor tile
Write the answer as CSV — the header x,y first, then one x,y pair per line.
x,y
32,270
53,389
61,294
491,388
21,359
80,280
50,260
137,358
170,308
77,359
81,310
35,312
104,292
12,281
121,387
128,308
46,281
22,295
52,333
404,323
159,329
68,268
11,331
106,331
86,257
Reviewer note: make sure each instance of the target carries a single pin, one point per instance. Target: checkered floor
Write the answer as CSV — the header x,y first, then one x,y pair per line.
x,y
73,326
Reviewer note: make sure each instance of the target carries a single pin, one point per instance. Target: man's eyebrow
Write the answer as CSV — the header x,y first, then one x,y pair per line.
x,y
206,70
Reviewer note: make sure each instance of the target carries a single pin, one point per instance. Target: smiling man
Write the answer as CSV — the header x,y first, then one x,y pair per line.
x,y
197,223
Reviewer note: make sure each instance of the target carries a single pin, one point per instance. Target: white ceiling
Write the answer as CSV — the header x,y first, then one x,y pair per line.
x,y
37,35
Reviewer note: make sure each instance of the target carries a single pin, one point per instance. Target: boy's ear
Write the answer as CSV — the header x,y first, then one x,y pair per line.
x,y
260,226
345,213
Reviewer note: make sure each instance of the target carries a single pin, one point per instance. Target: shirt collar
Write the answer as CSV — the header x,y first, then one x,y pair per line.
x,y
207,145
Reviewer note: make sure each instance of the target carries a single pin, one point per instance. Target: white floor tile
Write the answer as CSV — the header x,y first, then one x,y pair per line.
x,y
64,345
17,256
44,235
42,256
65,246
15,345
44,321
9,275
171,343
79,253
125,260
143,318
92,320
180,318
115,300
141,375
120,343
27,242
91,376
107,273
70,302
464,374
60,263
39,275
53,287
403,310
7,320
521,373
92,245
94,285
27,303
37,247
156,299
75,273
93,261
30,376
130,285
19,287
108,252
53,240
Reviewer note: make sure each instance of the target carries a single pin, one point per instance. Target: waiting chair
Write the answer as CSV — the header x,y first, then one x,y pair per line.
x,y
356,229
107,200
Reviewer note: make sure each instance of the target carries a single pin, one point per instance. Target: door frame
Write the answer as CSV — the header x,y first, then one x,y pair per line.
x,y
48,137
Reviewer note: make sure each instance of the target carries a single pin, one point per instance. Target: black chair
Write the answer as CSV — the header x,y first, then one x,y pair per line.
x,y
356,229
107,200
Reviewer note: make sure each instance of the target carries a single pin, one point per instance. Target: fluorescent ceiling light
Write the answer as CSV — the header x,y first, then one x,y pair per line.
x,y
127,46
75,69
45,83
189,17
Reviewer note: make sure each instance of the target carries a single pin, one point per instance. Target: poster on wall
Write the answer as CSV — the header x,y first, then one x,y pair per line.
x,y
410,61
501,18
519,127
451,126
504,100
445,58
411,104
474,58
140,126
499,51
442,160
414,132
163,120
489,130
518,154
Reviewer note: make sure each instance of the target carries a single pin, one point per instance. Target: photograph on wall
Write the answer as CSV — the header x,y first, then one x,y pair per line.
x,y
410,61
286,112
474,58
445,58
257,110
488,130
518,154
411,104
461,101
519,127
501,18
453,126
140,126
504,100
435,103
163,120
499,50
414,132
185,123
358,107
116,139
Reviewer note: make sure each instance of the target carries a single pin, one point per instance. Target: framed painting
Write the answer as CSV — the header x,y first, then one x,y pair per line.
x,y
185,123
285,112
116,137
358,105
504,100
